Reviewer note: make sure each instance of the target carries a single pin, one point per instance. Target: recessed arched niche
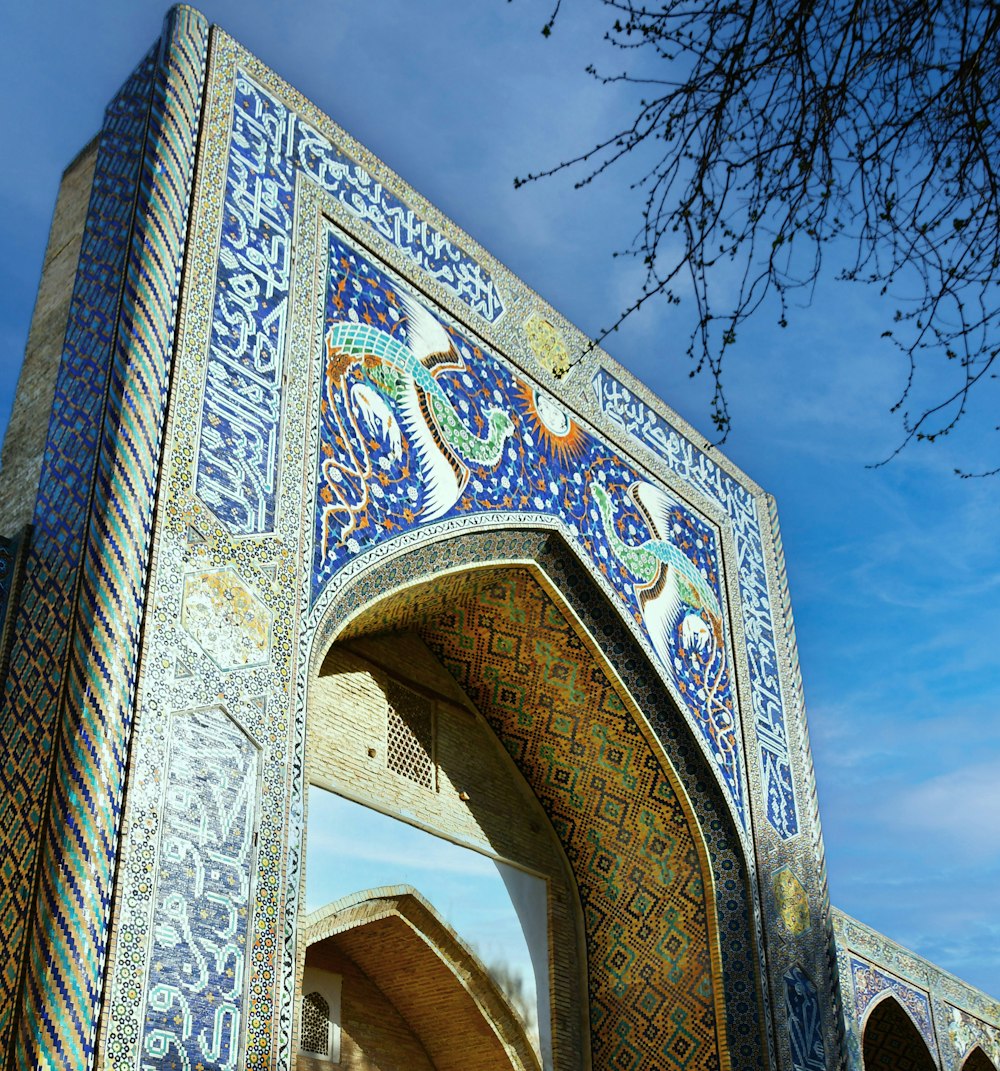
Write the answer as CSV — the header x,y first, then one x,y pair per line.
x,y
473,711
977,1060
891,1040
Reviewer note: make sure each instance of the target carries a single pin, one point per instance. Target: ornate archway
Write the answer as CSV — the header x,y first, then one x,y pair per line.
x,y
669,948
977,1060
891,1040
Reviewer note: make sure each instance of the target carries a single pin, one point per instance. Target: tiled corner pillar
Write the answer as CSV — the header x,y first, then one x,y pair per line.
x,y
68,701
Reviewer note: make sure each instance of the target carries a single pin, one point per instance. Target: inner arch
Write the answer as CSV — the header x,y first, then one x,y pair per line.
x,y
625,822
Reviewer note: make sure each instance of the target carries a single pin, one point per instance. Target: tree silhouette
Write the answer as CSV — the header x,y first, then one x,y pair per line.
x,y
785,133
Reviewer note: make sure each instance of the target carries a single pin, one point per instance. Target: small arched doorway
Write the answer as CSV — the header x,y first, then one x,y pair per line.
x,y
657,874
892,1042
977,1060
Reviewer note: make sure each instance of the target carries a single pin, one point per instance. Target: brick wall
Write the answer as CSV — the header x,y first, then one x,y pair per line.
x,y
373,1036
24,444
480,799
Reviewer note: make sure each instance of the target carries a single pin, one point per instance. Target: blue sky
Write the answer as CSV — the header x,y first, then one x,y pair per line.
x,y
894,572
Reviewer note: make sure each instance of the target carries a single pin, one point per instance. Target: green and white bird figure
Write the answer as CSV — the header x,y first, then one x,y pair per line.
x,y
439,439
667,579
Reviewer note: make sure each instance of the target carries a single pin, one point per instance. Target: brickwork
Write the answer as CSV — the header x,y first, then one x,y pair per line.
x,y
24,444
438,985
374,1036
347,721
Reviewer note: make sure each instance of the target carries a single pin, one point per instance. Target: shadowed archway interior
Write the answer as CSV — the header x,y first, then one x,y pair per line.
x,y
977,1060
892,1042
639,861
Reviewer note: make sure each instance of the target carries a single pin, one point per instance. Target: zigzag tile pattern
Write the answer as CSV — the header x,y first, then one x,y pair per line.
x,y
42,624
624,829
71,913
11,560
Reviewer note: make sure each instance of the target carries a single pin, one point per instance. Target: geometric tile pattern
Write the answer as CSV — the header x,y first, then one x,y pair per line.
x,y
422,427
42,626
805,1022
870,982
150,133
12,551
624,829
892,1043
241,420
685,460
625,832
194,996
400,596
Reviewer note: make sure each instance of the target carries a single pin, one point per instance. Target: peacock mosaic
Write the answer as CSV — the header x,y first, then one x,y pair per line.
x,y
644,424
420,424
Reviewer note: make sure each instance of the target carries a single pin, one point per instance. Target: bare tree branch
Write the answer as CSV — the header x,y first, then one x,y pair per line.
x,y
787,131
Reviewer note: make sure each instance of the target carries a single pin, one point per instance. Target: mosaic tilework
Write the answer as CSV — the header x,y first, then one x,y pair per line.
x,y
178,675
421,425
38,656
968,1033
241,418
792,901
625,832
203,895
12,552
647,426
892,1043
548,345
805,1022
869,982
69,936
226,619
444,613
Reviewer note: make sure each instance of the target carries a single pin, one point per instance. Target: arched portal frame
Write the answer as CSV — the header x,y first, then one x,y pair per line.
x,y
736,992
977,1060
891,1016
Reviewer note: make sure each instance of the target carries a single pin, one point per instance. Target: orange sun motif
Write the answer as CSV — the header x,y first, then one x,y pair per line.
x,y
558,434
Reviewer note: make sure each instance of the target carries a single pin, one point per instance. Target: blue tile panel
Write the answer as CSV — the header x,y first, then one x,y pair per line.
x,y
38,656
99,479
805,1022
420,427
692,466
194,995
241,421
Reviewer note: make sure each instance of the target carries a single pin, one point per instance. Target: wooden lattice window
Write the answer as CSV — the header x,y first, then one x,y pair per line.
x,y
319,1025
410,735
315,1025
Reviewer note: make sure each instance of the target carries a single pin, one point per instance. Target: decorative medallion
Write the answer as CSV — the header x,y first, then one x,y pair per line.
x,y
226,619
548,345
792,901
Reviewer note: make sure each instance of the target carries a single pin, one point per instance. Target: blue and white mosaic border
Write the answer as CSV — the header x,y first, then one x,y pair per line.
x,y
270,146
647,427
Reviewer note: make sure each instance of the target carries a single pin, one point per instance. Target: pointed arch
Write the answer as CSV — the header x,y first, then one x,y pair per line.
x,y
394,935
977,1060
891,1040
493,607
